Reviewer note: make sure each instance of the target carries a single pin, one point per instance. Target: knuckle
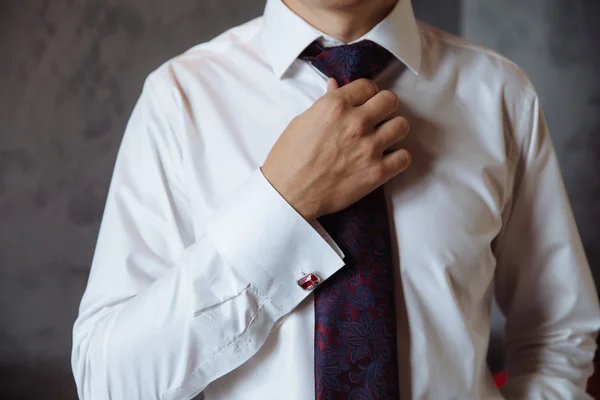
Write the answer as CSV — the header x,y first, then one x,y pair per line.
x,y
405,124
366,149
357,125
376,175
336,106
368,87
390,97
400,124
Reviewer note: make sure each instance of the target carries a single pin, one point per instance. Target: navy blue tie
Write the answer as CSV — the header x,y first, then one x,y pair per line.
x,y
355,319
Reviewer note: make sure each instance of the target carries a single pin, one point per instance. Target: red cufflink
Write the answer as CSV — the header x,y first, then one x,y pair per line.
x,y
309,281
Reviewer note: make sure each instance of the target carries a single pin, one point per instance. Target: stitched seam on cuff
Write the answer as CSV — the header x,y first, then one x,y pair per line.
x,y
241,336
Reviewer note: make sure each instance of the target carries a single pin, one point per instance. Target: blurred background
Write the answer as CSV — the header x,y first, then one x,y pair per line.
x,y
70,73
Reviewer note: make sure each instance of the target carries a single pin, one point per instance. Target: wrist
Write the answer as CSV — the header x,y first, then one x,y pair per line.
x,y
309,215
308,210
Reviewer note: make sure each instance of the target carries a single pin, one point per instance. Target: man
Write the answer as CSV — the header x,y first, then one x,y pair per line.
x,y
265,237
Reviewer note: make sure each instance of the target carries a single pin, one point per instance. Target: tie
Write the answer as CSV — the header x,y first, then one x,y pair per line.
x,y
355,319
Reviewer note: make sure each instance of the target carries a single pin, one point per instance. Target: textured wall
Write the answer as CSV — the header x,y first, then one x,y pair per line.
x,y
70,73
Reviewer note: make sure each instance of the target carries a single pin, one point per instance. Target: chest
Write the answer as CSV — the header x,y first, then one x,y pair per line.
x,y
446,208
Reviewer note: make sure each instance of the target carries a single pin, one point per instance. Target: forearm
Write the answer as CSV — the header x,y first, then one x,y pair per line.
x,y
175,332
148,328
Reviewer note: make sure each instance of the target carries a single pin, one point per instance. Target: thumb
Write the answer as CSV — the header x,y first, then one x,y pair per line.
x,y
332,85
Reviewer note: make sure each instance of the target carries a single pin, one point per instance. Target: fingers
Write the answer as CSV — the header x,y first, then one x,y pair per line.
x,y
380,106
331,85
386,139
358,92
395,162
390,133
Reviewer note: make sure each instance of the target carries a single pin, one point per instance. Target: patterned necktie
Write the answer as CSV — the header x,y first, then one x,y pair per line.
x,y
355,320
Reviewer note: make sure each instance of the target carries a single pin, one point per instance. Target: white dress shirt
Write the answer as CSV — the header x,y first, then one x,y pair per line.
x,y
193,285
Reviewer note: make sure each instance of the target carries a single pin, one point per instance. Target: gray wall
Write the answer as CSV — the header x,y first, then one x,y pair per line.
x,y
70,72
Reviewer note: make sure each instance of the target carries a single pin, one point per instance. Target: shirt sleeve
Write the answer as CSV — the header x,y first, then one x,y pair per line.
x,y
167,310
544,285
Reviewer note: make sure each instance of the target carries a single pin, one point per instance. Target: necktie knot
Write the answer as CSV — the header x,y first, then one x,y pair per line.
x,y
346,63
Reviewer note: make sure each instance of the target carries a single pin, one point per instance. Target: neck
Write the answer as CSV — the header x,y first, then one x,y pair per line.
x,y
346,22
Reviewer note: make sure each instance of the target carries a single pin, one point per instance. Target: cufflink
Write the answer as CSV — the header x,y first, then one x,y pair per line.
x,y
309,281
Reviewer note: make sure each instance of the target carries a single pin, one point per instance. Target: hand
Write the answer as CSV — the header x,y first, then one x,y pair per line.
x,y
332,155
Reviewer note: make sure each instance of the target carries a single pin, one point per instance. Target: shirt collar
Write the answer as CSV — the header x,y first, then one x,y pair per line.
x,y
286,35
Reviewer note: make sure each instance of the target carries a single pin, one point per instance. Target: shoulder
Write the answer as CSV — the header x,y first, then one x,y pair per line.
x,y
443,51
483,78
219,52
169,90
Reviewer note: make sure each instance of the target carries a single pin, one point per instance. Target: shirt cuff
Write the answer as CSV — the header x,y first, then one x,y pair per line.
x,y
262,236
543,387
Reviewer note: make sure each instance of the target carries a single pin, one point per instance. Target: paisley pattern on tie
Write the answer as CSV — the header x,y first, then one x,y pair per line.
x,y
346,63
355,320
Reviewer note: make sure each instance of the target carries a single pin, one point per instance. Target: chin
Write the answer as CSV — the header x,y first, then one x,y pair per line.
x,y
350,4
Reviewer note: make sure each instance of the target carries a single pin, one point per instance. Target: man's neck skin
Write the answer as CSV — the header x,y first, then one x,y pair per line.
x,y
345,20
